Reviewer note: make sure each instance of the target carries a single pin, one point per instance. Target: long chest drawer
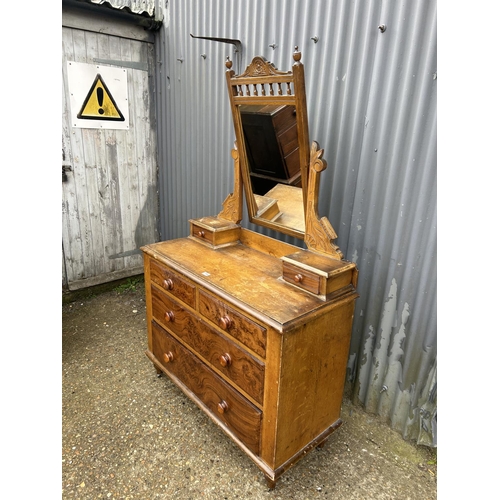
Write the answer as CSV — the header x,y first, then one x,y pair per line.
x,y
224,402
225,356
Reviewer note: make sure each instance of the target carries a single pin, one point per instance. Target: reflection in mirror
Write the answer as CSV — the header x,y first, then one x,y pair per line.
x,y
272,145
272,151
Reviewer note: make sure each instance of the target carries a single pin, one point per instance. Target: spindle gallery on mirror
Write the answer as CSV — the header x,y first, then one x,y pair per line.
x,y
254,330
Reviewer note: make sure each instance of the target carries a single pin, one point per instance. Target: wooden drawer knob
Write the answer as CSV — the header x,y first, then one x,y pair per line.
x,y
222,407
225,322
201,234
298,278
169,316
168,284
168,357
225,359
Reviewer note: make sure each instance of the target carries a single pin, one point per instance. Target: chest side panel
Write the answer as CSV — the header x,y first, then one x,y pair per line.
x,y
313,367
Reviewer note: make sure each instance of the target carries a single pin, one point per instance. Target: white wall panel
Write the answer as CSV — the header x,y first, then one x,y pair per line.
x,y
109,198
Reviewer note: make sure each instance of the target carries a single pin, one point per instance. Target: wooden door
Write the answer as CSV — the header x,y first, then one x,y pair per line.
x,y
109,185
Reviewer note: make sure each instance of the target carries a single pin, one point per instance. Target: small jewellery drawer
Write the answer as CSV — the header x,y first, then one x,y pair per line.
x,y
229,359
302,278
224,402
214,232
202,233
233,322
319,274
173,283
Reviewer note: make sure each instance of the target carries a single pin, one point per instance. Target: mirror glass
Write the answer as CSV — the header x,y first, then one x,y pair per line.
x,y
273,162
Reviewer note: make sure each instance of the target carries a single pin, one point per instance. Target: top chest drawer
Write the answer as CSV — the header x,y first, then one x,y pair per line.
x,y
174,283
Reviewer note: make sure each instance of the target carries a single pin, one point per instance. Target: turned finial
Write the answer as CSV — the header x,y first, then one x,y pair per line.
x,y
229,63
297,55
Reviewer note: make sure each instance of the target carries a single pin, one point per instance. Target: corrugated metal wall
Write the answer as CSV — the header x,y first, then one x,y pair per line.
x,y
372,107
142,7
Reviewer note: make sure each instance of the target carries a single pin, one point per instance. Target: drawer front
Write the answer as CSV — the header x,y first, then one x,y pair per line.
x,y
172,282
225,403
288,140
202,233
234,323
284,118
302,278
246,371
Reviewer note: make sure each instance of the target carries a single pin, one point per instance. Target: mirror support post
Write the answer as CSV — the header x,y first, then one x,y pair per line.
x,y
244,174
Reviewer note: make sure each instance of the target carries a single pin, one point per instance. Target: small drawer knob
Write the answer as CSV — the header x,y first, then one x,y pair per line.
x,y
168,357
225,322
168,284
298,278
225,359
169,316
222,407
201,233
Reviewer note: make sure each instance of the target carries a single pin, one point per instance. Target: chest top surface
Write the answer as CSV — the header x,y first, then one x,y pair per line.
x,y
240,274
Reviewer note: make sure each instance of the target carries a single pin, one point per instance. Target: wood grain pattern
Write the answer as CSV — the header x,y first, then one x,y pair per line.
x,y
291,205
170,280
271,397
319,232
202,233
313,368
249,277
301,277
149,307
240,327
243,418
214,231
265,244
333,274
232,207
272,143
245,370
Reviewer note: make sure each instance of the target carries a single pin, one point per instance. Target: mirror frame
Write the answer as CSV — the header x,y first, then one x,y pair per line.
x,y
262,84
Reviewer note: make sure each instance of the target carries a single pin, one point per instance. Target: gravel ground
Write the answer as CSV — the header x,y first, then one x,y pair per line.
x,y
128,434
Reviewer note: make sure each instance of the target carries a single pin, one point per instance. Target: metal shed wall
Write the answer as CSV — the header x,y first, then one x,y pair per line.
x,y
142,7
372,107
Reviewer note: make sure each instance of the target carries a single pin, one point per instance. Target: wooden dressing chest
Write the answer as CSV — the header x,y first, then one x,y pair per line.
x,y
255,331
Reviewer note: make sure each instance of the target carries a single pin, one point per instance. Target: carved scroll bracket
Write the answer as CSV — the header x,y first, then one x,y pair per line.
x,y
319,233
232,207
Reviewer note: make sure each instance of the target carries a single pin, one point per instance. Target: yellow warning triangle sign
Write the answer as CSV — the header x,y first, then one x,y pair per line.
x,y
99,104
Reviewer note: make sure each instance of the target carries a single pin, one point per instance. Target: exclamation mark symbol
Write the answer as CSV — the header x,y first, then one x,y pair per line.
x,y
100,99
